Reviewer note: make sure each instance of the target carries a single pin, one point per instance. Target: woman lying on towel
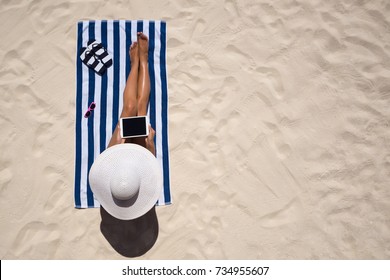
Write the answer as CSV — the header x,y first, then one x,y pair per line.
x,y
136,94
126,178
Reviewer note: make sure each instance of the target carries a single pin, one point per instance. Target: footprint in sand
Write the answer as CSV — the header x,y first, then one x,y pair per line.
x,y
240,58
26,98
57,189
37,240
199,28
6,176
42,19
213,144
11,4
288,214
228,126
283,150
272,79
223,94
9,131
174,43
231,7
15,66
44,135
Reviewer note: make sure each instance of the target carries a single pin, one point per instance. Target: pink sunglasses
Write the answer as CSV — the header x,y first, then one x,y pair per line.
x,y
90,109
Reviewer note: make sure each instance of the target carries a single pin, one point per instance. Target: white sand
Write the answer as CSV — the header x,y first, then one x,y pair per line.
x,y
279,130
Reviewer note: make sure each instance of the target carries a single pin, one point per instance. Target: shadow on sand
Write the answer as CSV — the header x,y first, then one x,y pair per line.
x,y
131,238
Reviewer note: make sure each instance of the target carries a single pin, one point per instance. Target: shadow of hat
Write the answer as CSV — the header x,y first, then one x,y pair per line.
x,y
130,238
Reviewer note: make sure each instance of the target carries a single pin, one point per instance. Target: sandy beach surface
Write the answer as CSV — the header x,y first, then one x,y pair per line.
x,y
279,115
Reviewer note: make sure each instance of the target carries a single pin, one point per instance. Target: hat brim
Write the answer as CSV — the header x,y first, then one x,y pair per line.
x,y
145,165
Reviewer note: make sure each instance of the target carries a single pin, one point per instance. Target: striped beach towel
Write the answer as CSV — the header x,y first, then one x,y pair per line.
x,y
93,134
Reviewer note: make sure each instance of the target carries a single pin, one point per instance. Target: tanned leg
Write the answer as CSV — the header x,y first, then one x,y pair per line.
x,y
130,104
143,81
143,77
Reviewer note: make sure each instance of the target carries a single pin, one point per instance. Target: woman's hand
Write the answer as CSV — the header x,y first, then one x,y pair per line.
x,y
149,141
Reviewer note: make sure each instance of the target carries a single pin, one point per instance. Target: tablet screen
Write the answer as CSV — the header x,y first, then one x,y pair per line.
x,y
132,127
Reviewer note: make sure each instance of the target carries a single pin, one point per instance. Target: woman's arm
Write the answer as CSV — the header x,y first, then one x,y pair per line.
x,y
149,141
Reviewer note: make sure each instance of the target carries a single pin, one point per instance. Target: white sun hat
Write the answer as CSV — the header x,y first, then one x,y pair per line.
x,y
127,180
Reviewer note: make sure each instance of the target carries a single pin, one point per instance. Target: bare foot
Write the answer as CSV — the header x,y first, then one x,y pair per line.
x,y
134,54
143,47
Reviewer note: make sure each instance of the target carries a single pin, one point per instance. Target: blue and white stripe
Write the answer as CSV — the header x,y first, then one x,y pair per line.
x,y
93,134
